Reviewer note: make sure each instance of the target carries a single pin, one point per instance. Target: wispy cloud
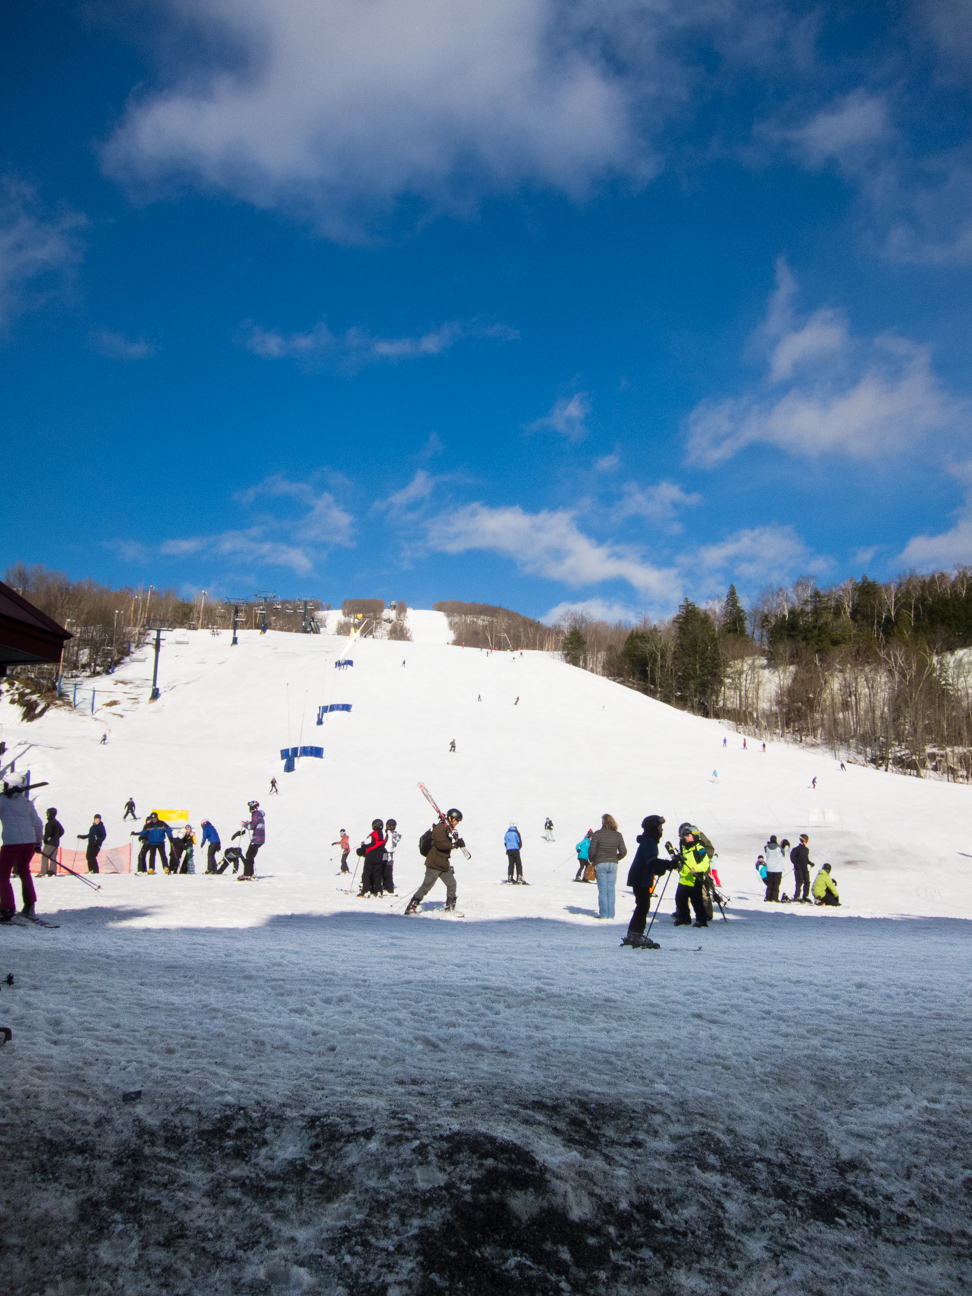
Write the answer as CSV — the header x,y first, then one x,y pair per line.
x,y
568,417
548,544
35,248
118,347
658,503
826,391
356,348
324,521
607,463
416,492
752,558
251,546
950,548
596,609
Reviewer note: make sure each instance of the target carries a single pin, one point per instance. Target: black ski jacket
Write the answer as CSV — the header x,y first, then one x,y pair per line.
x,y
800,855
53,832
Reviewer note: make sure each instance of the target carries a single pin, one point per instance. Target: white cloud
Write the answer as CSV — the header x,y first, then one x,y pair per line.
x,y
324,521
342,108
607,463
356,348
845,132
862,397
596,609
951,548
250,545
118,347
658,503
418,489
547,544
753,557
568,417
34,248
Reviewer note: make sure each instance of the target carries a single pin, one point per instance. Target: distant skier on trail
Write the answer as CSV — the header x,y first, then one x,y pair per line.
x,y
582,851
645,868
274,790
372,851
452,745
129,810
514,864
825,888
444,838
345,843
22,835
548,829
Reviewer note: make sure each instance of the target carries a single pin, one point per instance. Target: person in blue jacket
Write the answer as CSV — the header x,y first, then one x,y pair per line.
x,y
513,841
154,834
95,837
210,836
645,867
582,851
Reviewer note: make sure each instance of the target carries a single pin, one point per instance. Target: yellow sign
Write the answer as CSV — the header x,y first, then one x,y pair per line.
x,y
170,816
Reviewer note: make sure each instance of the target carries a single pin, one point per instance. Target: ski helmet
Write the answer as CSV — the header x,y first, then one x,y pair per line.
x,y
15,784
454,814
377,825
253,805
392,823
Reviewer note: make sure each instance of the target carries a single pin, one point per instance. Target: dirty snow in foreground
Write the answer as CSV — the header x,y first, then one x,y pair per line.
x,y
337,1098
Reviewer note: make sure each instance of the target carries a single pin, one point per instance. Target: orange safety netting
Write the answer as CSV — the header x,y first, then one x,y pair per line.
x,y
116,860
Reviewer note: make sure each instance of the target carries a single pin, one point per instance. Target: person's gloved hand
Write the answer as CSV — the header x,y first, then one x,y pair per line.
x,y
460,843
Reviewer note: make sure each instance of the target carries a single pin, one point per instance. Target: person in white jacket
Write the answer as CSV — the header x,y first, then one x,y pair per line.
x,y
23,833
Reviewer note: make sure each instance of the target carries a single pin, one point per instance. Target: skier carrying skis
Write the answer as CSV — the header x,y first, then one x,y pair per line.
x,y
372,851
692,861
23,833
257,828
345,843
645,867
512,841
392,838
437,863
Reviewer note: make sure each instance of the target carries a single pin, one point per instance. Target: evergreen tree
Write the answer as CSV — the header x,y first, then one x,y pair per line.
x,y
697,660
574,647
733,616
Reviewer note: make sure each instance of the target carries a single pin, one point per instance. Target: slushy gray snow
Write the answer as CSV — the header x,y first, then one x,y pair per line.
x,y
338,1098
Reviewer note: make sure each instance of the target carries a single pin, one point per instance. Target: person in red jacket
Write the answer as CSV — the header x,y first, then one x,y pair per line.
x,y
345,844
372,851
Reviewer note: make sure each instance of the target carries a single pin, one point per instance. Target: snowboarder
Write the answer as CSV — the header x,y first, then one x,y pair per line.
x,y
813,782
513,841
392,838
95,837
274,790
437,863
825,888
452,745
345,843
53,832
257,828
153,835
774,870
23,834
372,851
581,850
210,838
802,864
129,810
645,867
548,829
606,850
692,860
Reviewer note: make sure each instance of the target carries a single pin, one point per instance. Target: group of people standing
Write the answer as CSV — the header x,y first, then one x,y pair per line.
x,y
377,854
770,867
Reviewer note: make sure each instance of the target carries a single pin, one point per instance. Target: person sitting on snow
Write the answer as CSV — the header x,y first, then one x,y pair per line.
x,y
825,888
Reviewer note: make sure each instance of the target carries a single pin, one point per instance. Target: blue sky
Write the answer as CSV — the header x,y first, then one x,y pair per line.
x,y
531,303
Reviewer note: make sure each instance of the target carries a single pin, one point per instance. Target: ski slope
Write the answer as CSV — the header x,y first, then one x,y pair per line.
x,y
336,1098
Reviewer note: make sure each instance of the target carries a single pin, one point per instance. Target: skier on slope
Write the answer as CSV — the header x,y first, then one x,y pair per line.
x,y
548,829
802,864
582,851
95,837
438,866
513,842
693,860
129,809
257,828
344,842
210,838
23,834
392,838
372,851
825,888
645,867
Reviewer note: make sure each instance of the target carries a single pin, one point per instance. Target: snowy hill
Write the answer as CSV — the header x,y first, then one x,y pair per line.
x,y
573,747
278,1087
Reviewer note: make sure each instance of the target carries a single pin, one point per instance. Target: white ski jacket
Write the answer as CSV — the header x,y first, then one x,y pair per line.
x,y
21,822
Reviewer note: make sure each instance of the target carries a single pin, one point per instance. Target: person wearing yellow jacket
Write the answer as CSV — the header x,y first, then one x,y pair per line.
x,y
824,888
693,861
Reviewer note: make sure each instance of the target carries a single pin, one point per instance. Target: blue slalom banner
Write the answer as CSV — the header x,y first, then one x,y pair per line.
x,y
335,706
292,753
343,665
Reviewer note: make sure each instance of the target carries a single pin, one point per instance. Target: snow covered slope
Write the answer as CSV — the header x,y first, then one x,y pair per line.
x,y
573,747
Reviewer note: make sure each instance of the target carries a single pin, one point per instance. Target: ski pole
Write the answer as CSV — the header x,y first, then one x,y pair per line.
x,y
658,905
353,876
85,880
563,862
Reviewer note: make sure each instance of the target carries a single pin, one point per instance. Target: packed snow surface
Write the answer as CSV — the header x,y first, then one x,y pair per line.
x,y
337,1098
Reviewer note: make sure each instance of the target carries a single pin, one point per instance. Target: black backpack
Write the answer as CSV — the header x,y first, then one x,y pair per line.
x,y
425,842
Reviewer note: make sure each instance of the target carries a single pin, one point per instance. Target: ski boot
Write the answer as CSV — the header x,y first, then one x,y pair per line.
x,y
6,915
632,940
28,911
450,906
412,907
647,943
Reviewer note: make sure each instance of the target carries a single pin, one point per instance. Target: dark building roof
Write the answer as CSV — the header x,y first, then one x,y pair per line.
x,y
26,633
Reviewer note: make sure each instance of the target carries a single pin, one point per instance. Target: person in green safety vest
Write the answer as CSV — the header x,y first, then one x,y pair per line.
x,y
694,859
824,888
